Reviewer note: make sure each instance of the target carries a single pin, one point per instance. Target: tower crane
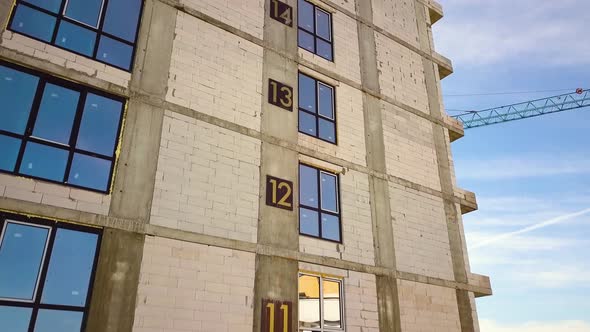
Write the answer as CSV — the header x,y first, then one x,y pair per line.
x,y
528,109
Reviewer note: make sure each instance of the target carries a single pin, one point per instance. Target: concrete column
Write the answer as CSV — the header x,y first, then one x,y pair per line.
x,y
277,278
444,169
117,278
5,11
115,286
387,292
136,169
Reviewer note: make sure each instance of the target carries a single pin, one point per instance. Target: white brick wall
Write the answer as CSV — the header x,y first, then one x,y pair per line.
x,y
357,229
207,180
361,303
397,17
401,73
409,147
420,233
426,307
191,287
215,72
37,191
346,49
350,130
246,15
37,49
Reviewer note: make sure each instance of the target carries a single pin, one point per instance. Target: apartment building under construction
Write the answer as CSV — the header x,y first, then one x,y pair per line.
x,y
229,165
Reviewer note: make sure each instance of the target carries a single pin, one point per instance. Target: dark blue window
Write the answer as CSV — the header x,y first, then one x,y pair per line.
x,y
319,212
17,91
33,23
76,38
84,11
46,273
316,109
118,15
102,30
57,131
315,30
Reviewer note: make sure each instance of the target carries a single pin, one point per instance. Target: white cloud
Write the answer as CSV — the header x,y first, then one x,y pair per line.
x,y
558,326
521,167
545,32
521,243
553,221
558,277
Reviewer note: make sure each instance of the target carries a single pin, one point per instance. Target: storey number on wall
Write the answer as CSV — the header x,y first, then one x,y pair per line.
x,y
279,193
275,316
281,12
280,95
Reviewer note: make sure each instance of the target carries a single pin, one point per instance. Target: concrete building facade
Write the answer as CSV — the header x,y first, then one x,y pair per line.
x,y
201,215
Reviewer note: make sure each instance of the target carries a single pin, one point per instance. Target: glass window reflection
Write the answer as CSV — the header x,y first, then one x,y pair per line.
x,y
38,125
21,254
308,222
309,301
84,11
70,268
332,305
56,114
33,23
44,162
114,52
76,38
17,90
51,5
316,109
308,186
315,29
55,320
329,192
119,14
9,149
15,319
90,172
100,124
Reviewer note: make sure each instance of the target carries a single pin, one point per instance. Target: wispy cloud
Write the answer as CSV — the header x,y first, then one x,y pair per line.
x,y
502,168
522,243
543,224
559,326
530,31
558,277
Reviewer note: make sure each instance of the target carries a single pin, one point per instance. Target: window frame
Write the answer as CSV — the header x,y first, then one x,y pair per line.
x,y
98,30
314,33
36,305
318,115
319,210
28,137
323,277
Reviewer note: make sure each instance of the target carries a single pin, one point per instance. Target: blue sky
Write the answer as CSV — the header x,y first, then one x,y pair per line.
x,y
531,234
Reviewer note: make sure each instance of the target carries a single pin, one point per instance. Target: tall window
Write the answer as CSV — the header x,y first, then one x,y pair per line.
x,y
46,275
317,116
57,131
104,30
315,30
320,303
319,206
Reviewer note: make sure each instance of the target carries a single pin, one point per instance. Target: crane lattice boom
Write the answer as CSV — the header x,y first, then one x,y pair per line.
x,y
529,109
